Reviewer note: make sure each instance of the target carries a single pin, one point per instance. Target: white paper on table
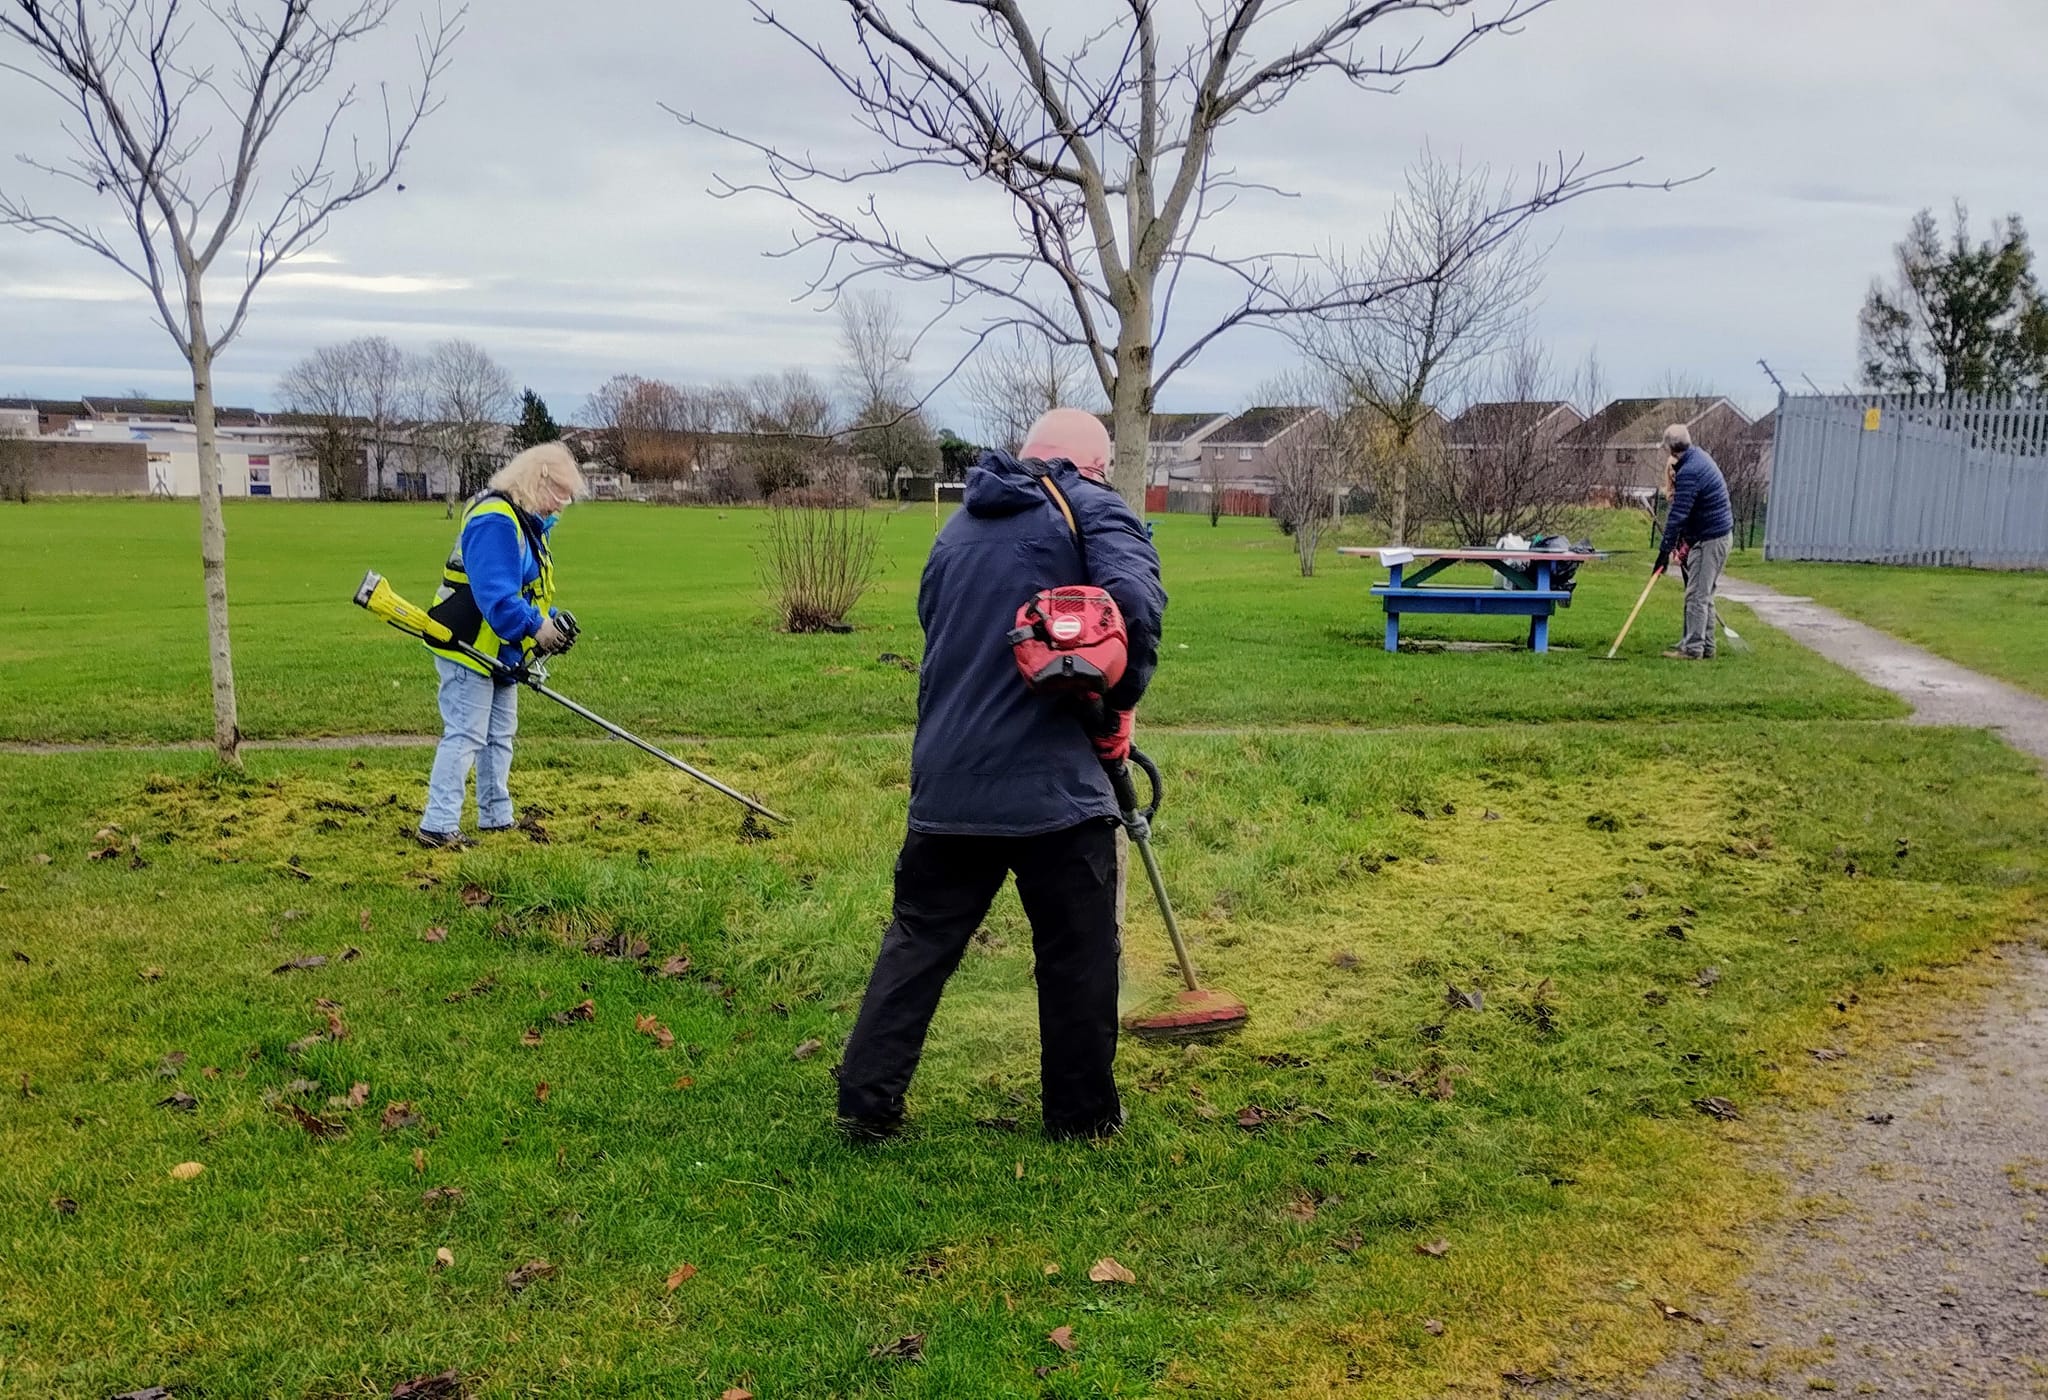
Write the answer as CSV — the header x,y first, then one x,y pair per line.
x,y
1391,557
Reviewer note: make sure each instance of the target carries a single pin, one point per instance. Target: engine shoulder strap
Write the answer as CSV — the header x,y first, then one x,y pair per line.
x,y
1059,501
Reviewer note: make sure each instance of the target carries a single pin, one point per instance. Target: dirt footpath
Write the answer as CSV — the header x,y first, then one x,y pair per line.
x,y
1915,1258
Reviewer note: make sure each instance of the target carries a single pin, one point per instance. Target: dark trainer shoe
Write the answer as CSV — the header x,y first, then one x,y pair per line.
x,y
441,840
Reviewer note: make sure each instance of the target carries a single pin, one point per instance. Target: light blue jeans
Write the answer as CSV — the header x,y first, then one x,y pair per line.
x,y
478,719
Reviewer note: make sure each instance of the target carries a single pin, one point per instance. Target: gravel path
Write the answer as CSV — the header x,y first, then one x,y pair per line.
x,y
1940,691
1914,1259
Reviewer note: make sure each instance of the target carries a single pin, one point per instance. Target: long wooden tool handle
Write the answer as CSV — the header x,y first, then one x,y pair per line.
x,y
1655,574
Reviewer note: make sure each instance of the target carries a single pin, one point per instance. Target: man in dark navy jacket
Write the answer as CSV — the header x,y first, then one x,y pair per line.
x,y
1701,527
1002,781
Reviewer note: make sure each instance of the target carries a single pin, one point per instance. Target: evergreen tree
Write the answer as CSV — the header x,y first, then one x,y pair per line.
x,y
536,425
1961,318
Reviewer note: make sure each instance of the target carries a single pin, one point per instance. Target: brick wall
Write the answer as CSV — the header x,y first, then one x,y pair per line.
x,y
89,468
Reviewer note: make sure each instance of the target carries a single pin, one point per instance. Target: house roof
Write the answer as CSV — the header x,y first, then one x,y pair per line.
x,y
1497,422
1764,429
1641,422
1257,426
1169,429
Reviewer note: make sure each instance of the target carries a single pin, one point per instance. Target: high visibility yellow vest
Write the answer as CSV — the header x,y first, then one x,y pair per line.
x,y
455,606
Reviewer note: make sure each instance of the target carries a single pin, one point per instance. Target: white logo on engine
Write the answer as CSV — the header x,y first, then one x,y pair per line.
x,y
1066,629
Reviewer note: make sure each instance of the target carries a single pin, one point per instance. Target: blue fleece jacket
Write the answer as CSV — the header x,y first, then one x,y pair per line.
x,y
499,563
990,758
1699,502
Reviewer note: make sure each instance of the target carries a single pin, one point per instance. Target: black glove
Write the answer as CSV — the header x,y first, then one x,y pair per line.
x,y
1663,561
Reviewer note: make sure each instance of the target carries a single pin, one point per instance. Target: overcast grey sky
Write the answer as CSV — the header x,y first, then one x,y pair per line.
x,y
556,215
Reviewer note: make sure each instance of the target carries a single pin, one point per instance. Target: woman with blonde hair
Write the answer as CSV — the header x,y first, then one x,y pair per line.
x,y
497,594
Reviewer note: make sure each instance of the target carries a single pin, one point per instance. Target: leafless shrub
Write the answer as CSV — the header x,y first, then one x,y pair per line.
x,y
819,556
1505,474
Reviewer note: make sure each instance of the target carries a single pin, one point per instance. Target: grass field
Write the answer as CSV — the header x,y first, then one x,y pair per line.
x,y
678,637
1994,622
1656,916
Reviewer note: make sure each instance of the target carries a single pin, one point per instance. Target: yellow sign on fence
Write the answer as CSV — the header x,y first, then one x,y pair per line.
x,y
1873,419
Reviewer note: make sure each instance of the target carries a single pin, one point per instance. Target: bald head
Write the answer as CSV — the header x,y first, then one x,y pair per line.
x,y
1072,435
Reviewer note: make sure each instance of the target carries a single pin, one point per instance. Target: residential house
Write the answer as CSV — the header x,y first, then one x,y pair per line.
x,y
1618,454
1173,440
1492,426
1244,453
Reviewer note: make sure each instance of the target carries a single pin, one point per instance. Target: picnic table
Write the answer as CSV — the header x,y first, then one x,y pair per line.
x,y
1532,591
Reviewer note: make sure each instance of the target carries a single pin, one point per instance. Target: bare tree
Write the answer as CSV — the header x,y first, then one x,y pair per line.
x,y
1447,311
171,113
326,390
1108,157
875,373
1307,462
1504,473
1019,375
469,397
386,378
654,430
786,419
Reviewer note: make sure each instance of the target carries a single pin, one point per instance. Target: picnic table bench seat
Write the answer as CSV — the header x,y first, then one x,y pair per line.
x,y
1531,592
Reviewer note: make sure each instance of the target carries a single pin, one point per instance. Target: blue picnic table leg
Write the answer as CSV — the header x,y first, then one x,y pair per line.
x,y
1393,618
1539,625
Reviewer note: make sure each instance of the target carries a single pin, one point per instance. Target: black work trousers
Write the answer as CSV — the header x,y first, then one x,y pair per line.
x,y
944,886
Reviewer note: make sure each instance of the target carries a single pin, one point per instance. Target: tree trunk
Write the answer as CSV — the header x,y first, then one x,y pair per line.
x,y
213,538
1398,510
1131,405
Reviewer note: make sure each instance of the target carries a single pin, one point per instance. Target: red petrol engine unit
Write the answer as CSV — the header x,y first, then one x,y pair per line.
x,y
1070,641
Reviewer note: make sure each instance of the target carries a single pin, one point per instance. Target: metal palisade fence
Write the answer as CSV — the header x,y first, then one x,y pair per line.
x,y
1911,479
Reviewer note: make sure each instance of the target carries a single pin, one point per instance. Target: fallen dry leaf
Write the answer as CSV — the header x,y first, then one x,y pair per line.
x,y
1474,1000
540,1092
1714,1106
905,1348
436,934
683,1081
398,1116
655,1030
677,966
181,1101
532,1271
1344,960
363,920
1435,1249
1302,1208
186,1171
807,1049
1107,1270
529,1037
305,1043
474,989
737,1394
335,1029
441,1195
210,1072
444,1258
351,953
40,858
151,974
300,1086
445,1385
1349,1244
1825,1054
475,896
1251,1118
19,956
1052,1271
148,1392
1061,1337
63,1205
318,1128
169,1065
585,1010
1434,1326
1670,1313
303,964
419,1161
682,1275
358,1094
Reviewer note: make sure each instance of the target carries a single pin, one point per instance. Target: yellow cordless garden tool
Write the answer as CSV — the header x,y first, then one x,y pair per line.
x,y
382,601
